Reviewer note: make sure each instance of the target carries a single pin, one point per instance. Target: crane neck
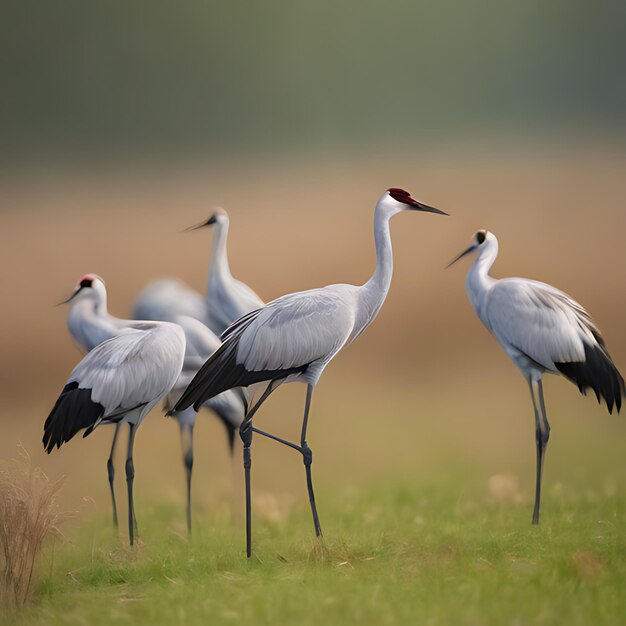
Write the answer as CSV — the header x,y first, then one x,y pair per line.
x,y
219,253
101,307
478,282
91,309
90,323
374,291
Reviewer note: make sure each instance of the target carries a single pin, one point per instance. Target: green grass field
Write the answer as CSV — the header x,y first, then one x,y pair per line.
x,y
410,425
440,552
426,516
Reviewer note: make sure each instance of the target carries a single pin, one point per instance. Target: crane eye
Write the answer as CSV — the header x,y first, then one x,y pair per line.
x,y
480,237
86,282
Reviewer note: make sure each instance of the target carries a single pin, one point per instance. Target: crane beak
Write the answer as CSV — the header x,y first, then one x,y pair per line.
x,y
209,222
420,206
76,292
460,256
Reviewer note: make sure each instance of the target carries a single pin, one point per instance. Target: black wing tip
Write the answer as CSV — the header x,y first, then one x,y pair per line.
x,y
211,379
48,445
221,372
598,373
73,411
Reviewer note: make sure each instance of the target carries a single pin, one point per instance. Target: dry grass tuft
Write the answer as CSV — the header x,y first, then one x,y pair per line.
x,y
29,513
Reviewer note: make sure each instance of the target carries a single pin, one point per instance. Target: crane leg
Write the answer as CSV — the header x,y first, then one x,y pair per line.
x,y
542,434
130,476
245,432
307,456
111,472
186,438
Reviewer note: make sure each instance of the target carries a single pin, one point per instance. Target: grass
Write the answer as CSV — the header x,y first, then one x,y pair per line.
x,y
431,553
29,514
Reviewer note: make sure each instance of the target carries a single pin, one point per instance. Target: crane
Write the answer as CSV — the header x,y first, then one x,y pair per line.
x,y
90,324
293,338
542,330
118,381
227,298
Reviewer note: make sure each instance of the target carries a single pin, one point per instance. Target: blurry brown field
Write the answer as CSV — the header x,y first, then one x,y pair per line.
x,y
424,389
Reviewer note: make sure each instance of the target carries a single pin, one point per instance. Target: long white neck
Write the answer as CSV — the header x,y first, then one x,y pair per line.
x,y
219,254
101,306
93,310
373,293
478,282
90,323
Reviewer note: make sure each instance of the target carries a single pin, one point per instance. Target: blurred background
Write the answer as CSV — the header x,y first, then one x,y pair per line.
x,y
123,123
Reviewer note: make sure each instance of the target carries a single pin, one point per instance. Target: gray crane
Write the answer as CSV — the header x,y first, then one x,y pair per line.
x,y
118,381
90,324
294,338
226,300
542,330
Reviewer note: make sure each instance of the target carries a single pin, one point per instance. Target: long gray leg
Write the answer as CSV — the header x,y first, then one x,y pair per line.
x,y
111,472
130,476
307,457
542,434
186,438
245,432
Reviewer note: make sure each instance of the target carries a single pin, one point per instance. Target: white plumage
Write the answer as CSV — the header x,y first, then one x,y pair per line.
x,y
88,320
226,300
118,381
306,327
294,337
131,372
542,330
163,298
560,326
90,324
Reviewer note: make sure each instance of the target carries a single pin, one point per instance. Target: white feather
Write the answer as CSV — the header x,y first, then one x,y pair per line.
x,y
136,367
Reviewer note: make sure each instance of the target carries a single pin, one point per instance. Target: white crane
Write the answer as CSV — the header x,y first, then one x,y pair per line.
x,y
118,381
90,324
88,320
227,298
165,297
294,337
543,331
230,407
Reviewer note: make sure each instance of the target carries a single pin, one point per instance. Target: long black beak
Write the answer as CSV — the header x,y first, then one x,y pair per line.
x,y
76,292
209,222
420,206
460,256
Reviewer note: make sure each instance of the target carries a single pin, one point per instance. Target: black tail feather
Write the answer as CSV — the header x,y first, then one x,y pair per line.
x,y
599,373
73,411
221,372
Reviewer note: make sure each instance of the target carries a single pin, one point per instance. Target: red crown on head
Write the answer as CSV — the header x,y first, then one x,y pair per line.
x,y
400,195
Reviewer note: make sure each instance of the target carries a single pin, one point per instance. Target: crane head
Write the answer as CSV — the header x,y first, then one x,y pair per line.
x,y
478,240
403,201
89,286
218,217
